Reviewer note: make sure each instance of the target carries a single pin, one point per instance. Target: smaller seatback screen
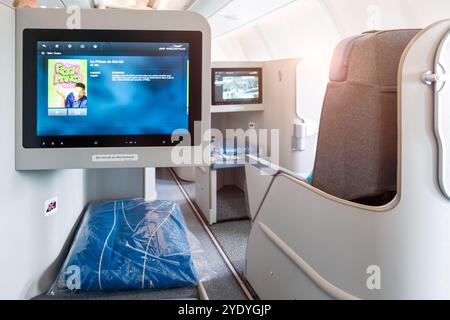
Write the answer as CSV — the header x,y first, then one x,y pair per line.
x,y
231,86
112,88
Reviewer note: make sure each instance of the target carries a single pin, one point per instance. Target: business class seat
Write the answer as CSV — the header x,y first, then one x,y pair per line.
x,y
356,155
373,224
356,158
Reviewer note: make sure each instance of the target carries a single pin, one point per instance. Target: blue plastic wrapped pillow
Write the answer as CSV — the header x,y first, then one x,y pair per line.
x,y
128,245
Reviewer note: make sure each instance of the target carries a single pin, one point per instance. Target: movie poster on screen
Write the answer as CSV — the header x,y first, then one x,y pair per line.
x,y
63,76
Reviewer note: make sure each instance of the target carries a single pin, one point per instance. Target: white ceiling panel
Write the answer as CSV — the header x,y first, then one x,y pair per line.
x,y
84,4
58,3
208,8
173,4
7,2
238,13
50,4
121,4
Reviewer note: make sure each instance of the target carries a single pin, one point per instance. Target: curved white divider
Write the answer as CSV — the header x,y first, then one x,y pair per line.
x,y
320,281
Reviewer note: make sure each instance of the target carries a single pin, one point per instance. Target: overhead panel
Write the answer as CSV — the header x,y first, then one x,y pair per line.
x,y
238,13
50,4
208,8
7,2
173,4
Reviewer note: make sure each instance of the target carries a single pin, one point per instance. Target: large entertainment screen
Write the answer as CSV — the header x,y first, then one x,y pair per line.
x,y
236,86
106,88
112,88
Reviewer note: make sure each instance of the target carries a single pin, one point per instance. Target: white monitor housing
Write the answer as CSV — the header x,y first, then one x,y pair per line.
x,y
47,138
236,69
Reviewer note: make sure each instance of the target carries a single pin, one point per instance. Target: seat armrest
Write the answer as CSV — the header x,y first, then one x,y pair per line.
x,y
269,168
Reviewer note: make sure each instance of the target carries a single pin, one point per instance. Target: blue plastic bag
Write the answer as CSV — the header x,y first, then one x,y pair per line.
x,y
128,245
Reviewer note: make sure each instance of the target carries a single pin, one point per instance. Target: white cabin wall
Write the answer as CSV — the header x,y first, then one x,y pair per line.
x,y
280,113
29,241
110,184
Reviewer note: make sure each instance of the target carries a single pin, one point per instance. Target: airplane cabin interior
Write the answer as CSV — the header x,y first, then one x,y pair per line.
x,y
236,150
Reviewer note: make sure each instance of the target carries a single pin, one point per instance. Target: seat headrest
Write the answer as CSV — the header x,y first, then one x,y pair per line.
x,y
356,156
354,58
341,59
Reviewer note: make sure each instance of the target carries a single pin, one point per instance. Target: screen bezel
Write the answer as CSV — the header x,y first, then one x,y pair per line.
x,y
31,140
236,102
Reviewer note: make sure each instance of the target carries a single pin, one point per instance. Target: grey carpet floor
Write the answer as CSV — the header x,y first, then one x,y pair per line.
x,y
232,237
231,204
